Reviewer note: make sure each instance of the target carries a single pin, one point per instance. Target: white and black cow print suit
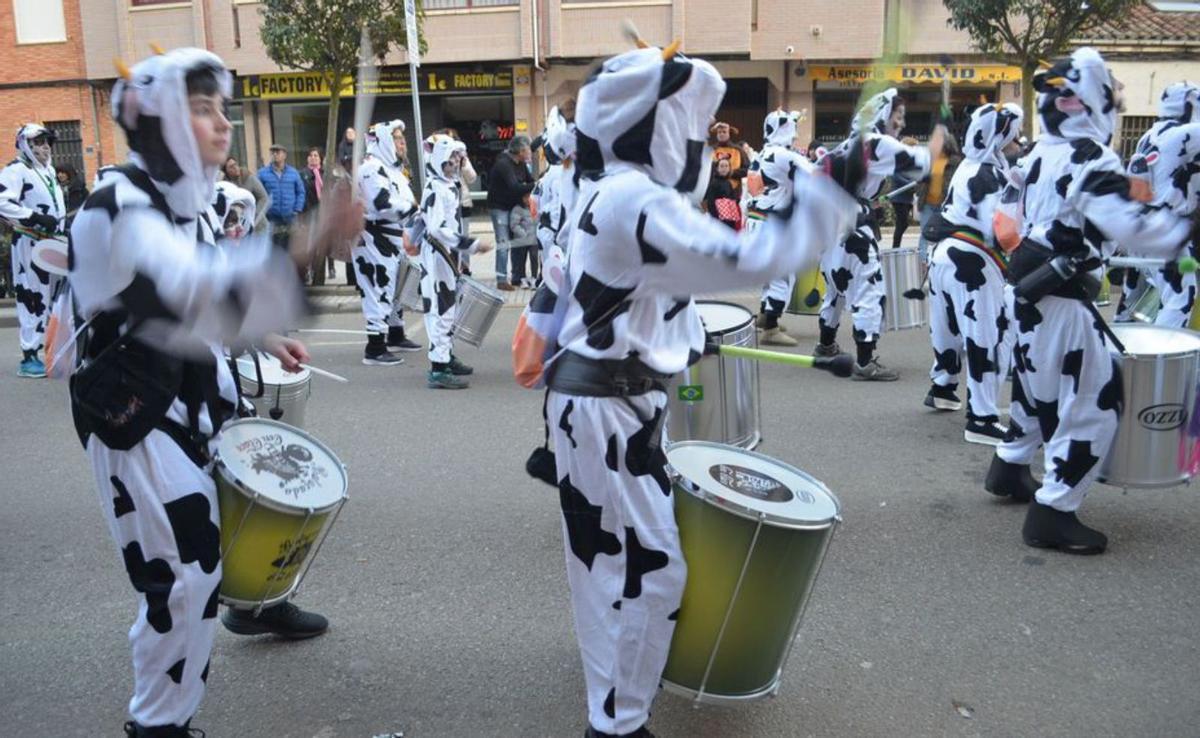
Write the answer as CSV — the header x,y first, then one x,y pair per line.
x,y
774,165
1159,163
390,207
638,251
141,256
557,190
1067,394
852,272
31,198
238,202
968,318
443,241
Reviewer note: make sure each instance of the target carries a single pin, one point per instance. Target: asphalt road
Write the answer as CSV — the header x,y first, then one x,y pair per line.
x,y
444,578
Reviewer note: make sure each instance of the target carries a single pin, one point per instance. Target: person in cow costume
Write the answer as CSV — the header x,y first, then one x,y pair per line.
x,y
770,191
968,320
852,273
1067,391
639,248
442,248
31,201
390,209
234,209
558,189
152,388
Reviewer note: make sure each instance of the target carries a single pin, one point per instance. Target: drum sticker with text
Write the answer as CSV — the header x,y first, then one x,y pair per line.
x,y
753,484
1165,417
292,463
292,553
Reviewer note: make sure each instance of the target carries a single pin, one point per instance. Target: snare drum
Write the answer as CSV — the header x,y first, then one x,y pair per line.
x,y
478,306
808,293
902,272
1155,446
280,491
717,398
754,532
408,285
281,395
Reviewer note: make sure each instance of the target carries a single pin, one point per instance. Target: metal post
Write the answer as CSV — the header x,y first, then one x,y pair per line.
x,y
414,62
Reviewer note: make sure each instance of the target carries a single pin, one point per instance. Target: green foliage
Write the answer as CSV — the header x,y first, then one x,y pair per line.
x,y
1026,31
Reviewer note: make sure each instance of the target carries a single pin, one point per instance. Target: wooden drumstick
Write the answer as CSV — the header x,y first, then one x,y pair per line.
x,y
323,373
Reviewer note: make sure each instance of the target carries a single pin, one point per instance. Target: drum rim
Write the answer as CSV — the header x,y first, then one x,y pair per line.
x,y
747,513
304,375
258,497
1152,327
727,331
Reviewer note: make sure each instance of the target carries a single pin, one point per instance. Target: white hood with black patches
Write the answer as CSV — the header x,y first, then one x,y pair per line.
x,y
639,111
873,115
152,107
380,144
779,128
25,137
1076,99
992,127
1180,102
229,195
560,135
439,148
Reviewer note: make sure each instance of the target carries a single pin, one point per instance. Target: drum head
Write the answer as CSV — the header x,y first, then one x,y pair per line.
x,y
752,485
272,370
288,467
50,255
1155,340
722,317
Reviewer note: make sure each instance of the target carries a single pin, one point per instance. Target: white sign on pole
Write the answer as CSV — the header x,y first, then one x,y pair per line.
x,y
414,41
414,61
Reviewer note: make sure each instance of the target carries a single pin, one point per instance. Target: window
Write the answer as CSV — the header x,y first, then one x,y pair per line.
x,y
144,3
466,4
68,144
1131,129
39,21
237,116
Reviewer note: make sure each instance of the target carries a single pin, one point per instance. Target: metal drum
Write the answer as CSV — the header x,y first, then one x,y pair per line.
x,y
478,306
902,272
279,491
275,393
1155,444
754,532
408,285
1148,303
717,398
807,294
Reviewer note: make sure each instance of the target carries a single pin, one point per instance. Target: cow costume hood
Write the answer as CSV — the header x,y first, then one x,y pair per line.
x,y
1076,99
638,110
151,105
560,135
439,149
992,127
1180,102
873,115
380,144
229,196
779,128
25,137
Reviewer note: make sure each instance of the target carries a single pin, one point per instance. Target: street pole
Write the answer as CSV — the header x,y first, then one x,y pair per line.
x,y
414,62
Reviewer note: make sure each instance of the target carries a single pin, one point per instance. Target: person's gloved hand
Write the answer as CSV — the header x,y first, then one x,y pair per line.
x,y
42,222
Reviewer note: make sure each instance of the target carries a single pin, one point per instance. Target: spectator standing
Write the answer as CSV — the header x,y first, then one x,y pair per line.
x,y
932,192
523,229
509,182
902,204
739,154
721,200
247,180
314,185
286,192
74,191
345,148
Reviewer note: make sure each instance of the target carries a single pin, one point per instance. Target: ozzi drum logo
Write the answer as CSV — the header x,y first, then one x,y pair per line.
x,y
750,483
1164,417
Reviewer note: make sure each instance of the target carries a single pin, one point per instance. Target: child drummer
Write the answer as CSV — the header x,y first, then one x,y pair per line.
x,y
638,250
152,390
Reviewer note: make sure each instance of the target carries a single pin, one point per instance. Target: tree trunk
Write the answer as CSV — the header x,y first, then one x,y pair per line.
x,y
332,138
1028,100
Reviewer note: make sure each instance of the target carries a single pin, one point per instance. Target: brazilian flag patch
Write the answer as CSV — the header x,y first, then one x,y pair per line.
x,y
691,392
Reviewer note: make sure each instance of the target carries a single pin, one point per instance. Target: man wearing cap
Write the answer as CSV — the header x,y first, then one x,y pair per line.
x,y
286,190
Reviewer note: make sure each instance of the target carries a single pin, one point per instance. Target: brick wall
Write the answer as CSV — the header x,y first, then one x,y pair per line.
x,y
41,62
61,102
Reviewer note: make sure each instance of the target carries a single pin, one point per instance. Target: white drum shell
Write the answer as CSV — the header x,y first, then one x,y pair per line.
x,y
408,289
901,269
478,307
284,395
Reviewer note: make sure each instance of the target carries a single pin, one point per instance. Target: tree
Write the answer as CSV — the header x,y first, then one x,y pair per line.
x,y
1025,32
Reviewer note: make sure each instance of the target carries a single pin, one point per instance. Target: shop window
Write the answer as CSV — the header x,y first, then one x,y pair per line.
x,y
466,4
39,21
1132,128
68,143
237,147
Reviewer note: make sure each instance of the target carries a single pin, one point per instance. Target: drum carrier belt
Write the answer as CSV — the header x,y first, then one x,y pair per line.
x,y
975,238
573,374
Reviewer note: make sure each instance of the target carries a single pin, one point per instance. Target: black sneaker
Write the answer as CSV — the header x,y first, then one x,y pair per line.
x,y
820,350
459,369
943,398
1010,480
284,620
986,431
133,730
397,341
873,372
1046,527
642,732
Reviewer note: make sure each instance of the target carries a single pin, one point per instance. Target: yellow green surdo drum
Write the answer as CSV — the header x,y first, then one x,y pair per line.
x,y
280,491
754,532
808,293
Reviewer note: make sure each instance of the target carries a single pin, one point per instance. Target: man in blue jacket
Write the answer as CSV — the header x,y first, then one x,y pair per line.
x,y
286,190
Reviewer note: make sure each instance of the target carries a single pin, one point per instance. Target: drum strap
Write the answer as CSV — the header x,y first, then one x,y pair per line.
x,y
574,374
444,253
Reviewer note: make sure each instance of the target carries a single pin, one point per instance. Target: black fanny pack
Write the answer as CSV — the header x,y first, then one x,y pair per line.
x,y
937,228
573,374
1037,271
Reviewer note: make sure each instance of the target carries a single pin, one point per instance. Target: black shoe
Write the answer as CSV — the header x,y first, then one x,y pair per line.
x,y
459,369
1010,480
986,431
397,341
284,620
642,732
376,353
1046,527
133,730
943,398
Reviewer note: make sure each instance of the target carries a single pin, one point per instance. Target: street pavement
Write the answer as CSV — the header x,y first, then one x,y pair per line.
x,y
444,577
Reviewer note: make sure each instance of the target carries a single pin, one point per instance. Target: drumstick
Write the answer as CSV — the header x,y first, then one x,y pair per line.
x,y
1186,265
332,330
323,373
899,191
839,365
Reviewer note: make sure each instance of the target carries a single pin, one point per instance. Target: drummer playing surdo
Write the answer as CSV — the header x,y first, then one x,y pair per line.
x,y
770,191
1066,392
390,208
968,320
441,246
31,200
851,270
152,389
639,249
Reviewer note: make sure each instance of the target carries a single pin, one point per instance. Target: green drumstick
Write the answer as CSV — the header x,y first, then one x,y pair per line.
x,y
839,365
